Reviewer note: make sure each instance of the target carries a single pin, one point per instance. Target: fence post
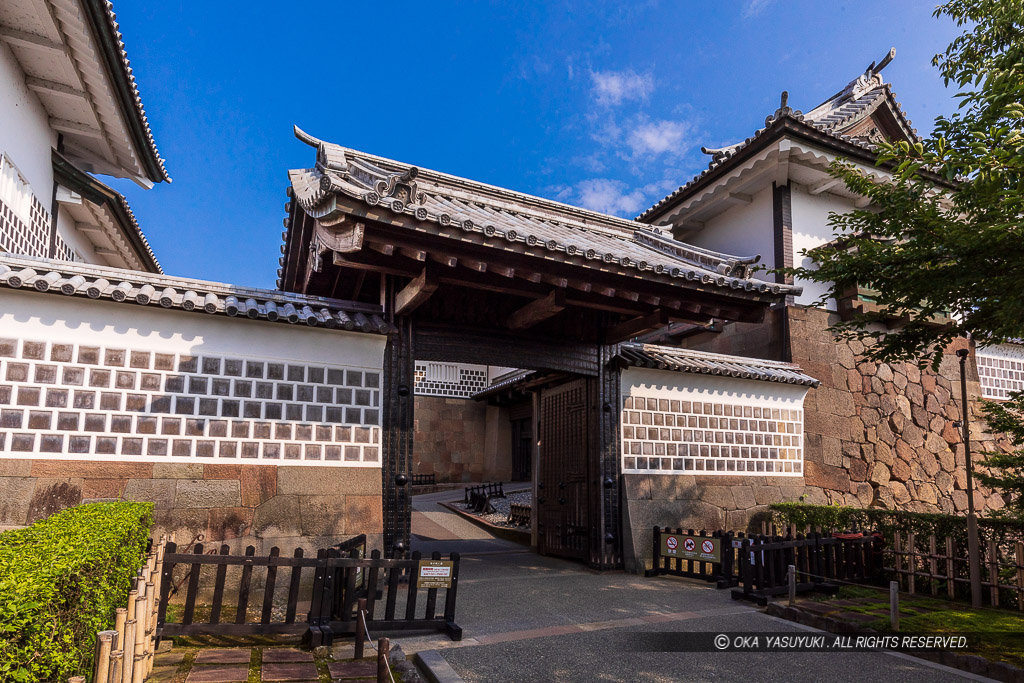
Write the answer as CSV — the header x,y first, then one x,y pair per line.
x,y
105,642
383,651
792,585
1020,575
894,605
114,676
993,572
360,627
950,569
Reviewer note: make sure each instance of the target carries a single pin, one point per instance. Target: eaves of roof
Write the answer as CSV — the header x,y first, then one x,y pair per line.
x,y
118,285
784,124
703,363
103,23
517,222
92,189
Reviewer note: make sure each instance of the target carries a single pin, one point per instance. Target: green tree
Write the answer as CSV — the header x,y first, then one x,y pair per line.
x,y
1006,470
945,234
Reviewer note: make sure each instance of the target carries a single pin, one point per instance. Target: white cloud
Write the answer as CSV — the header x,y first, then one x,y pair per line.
x,y
614,87
609,196
652,138
752,8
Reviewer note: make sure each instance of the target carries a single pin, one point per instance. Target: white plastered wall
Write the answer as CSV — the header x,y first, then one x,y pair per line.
x,y
742,230
25,133
679,389
55,319
811,229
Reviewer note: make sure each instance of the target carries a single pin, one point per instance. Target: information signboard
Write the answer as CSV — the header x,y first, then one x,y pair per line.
x,y
435,574
691,547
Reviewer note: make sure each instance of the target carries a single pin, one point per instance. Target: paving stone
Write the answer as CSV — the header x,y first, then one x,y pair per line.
x,y
218,674
224,656
289,672
352,669
857,616
286,654
173,657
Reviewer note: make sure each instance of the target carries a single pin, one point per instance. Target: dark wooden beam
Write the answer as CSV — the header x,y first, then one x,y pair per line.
x,y
382,248
416,292
443,259
636,326
414,254
537,311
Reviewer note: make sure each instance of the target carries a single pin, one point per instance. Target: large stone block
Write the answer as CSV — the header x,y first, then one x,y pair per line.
x,y
309,481
323,515
278,517
827,477
207,493
258,483
160,492
15,467
228,523
15,496
106,489
177,470
86,468
364,514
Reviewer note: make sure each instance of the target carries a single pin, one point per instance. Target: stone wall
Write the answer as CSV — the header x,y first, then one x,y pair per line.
x,y
449,439
877,435
259,505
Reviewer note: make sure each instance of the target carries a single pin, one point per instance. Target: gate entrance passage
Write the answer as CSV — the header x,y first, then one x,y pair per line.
x,y
467,272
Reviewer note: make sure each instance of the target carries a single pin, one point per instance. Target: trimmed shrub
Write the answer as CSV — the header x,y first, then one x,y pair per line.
x,y
922,524
60,581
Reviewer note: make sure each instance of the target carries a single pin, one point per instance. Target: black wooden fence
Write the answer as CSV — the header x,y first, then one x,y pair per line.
x,y
334,581
759,564
821,562
424,479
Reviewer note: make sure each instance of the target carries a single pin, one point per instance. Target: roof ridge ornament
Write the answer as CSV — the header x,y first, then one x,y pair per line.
x,y
870,79
783,110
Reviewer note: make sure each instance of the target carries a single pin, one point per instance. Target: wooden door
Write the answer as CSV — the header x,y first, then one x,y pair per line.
x,y
562,500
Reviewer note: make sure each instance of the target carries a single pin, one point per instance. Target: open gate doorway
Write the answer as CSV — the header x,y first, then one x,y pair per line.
x,y
562,487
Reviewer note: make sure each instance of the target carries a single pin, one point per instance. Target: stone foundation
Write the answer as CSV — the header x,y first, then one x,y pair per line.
x,y
877,435
241,505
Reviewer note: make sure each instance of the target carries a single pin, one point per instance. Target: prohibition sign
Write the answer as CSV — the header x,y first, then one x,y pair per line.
x,y
707,546
689,545
671,542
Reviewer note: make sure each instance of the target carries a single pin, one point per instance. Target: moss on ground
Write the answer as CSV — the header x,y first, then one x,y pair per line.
x,y
1004,641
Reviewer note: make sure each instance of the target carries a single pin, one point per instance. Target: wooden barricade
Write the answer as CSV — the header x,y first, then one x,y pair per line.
x,y
946,571
424,479
483,492
519,514
821,563
678,561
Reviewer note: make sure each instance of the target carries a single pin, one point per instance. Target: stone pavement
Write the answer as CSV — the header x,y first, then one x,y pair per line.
x,y
531,618
237,665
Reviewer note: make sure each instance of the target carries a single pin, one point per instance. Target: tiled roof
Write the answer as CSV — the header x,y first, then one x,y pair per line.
x,y
700,362
149,289
841,112
509,379
456,205
101,13
112,201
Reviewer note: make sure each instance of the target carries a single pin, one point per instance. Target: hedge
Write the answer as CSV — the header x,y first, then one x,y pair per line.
x,y
923,524
61,580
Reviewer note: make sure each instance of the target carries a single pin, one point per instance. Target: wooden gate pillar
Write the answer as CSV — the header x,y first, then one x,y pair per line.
x,y
397,435
606,545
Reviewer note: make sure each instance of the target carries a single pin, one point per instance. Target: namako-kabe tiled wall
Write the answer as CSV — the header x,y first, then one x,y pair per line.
x,y
245,431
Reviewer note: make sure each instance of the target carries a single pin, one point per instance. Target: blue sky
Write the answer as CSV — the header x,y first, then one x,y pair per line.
x,y
600,105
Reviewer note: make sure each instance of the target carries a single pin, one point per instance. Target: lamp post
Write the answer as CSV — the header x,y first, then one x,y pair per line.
x,y
973,561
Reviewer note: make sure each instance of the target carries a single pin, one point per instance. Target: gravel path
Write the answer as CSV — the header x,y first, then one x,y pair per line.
x,y
503,505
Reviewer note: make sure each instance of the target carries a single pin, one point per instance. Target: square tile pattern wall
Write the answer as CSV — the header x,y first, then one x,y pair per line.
x,y
117,403
1001,370
669,436
451,380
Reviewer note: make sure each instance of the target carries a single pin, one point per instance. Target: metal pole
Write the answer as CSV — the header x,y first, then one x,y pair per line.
x,y
360,628
973,546
792,585
894,605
